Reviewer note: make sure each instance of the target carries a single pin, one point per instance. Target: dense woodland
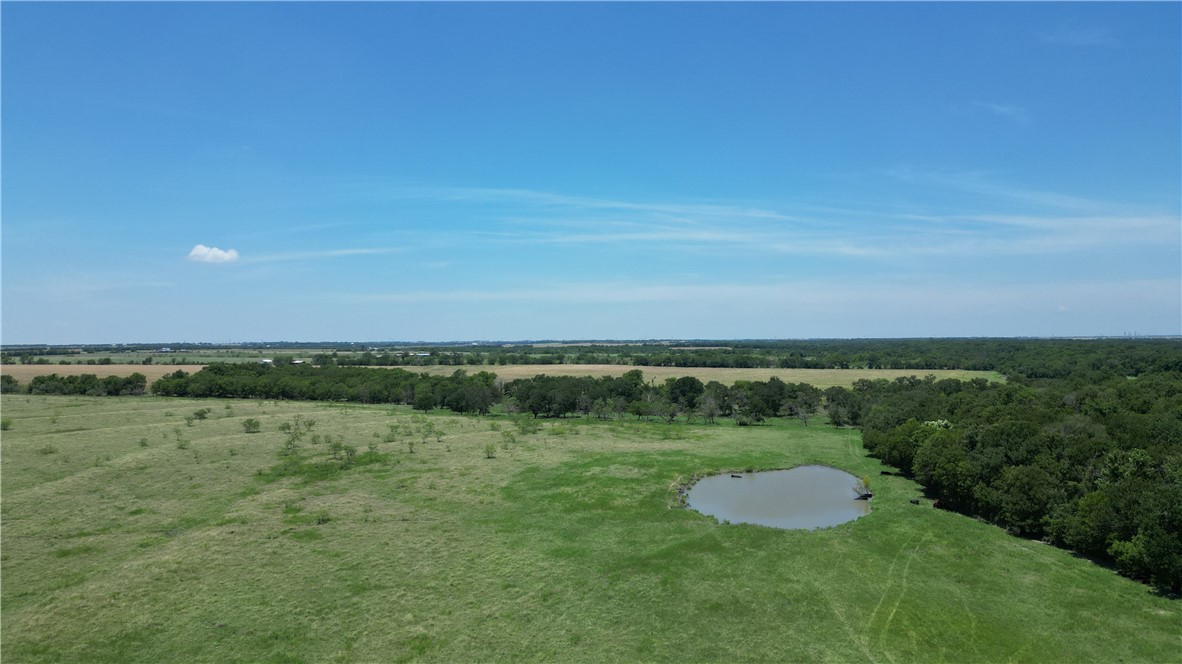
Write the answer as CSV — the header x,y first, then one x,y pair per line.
x,y
1081,447
1094,466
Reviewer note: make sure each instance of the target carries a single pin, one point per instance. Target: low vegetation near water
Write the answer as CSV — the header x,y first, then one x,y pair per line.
x,y
348,532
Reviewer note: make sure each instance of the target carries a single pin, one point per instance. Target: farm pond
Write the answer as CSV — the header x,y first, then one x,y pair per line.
x,y
801,498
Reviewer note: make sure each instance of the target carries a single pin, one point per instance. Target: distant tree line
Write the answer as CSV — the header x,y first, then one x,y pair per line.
x,y
1034,358
28,358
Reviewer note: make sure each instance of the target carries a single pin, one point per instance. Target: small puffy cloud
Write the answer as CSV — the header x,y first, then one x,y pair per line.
x,y
204,254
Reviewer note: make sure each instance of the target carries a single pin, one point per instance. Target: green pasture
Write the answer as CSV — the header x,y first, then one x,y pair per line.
x,y
130,534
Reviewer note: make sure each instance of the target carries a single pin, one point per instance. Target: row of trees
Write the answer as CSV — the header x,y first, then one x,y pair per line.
x,y
85,384
460,392
748,402
543,396
1094,467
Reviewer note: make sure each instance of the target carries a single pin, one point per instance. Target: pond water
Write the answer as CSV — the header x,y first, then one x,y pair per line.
x,y
800,498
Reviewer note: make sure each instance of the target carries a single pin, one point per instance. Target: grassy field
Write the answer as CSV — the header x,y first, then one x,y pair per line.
x,y
821,378
130,536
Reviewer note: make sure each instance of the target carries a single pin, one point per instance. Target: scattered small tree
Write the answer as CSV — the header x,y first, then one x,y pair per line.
x,y
862,487
251,425
708,408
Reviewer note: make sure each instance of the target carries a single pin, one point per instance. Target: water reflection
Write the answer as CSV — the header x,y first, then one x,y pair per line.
x,y
804,497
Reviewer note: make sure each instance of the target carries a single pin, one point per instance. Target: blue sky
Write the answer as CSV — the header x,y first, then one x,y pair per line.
x,y
393,171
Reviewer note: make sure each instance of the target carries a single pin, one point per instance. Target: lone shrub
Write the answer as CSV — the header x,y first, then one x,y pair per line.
x,y
251,425
490,451
527,426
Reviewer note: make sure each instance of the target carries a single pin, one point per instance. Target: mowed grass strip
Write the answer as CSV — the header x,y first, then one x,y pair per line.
x,y
821,378
565,545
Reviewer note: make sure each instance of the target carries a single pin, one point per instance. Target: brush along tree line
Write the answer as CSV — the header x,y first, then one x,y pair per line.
x,y
1090,461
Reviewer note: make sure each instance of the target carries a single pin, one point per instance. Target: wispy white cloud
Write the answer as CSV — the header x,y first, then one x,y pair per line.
x,y
1051,234
600,293
890,298
691,210
87,287
993,192
950,214
203,254
1019,115
323,253
640,233
1080,36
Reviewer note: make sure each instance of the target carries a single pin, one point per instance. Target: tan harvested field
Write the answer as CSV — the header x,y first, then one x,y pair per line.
x,y
26,372
817,377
